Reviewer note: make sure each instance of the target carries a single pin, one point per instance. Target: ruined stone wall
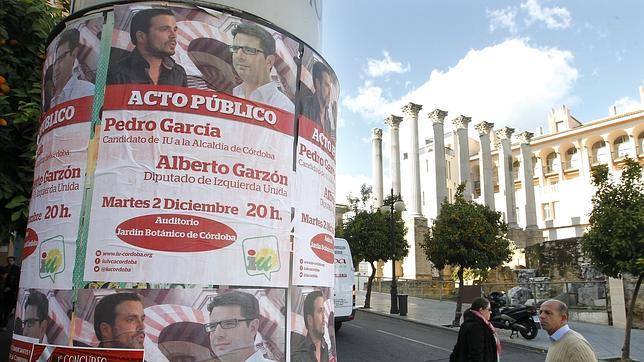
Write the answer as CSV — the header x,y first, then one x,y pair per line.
x,y
629,287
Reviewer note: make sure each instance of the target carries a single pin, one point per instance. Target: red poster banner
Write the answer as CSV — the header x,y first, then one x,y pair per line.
x,y
73,354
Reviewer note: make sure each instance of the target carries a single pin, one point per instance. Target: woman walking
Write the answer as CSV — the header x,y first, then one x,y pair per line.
x,y
477,339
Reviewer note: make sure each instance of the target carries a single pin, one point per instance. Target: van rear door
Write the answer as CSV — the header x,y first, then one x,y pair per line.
x,y
344,288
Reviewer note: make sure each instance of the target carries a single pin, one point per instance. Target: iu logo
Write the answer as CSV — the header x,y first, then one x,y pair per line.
x,y
261,256
52,257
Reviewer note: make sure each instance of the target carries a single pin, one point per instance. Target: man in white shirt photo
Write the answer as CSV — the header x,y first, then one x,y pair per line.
x,y
66,71
253,52
233,327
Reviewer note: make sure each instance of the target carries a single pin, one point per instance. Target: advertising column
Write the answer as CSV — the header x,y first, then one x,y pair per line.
x,y
175,190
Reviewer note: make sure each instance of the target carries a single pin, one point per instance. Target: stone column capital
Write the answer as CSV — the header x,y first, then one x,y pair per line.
x,y
393,121
437,116
376,134
525,137
461,121
504,133
412,109
484,128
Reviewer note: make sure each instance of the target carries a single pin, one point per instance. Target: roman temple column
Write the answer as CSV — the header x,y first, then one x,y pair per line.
x,y
527,180
411,112
394,162
506,182
485,157
461,123
437,117
376,164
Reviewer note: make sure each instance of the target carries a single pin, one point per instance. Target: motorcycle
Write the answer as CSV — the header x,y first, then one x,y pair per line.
x,y
519,318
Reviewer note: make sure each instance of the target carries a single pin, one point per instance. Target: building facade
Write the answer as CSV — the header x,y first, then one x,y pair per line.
x,y
541,183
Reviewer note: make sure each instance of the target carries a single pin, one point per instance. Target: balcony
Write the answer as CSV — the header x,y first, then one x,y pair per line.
x,y
571,165
599,160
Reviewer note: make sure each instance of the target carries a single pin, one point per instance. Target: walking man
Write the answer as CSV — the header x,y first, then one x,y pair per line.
x,y
566,344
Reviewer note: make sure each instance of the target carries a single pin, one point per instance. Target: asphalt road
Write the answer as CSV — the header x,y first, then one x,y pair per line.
x,y
372,337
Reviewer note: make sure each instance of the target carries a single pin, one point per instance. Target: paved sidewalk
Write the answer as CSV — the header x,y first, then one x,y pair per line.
x,y
606,340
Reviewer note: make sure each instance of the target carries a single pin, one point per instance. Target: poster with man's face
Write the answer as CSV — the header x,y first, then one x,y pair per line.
x,y
43,316
192,48
312,324
320,93
197,126
69,71
191,324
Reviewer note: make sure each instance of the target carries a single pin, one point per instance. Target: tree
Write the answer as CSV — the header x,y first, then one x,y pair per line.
x,y
615,239
368,234
24,29
466,235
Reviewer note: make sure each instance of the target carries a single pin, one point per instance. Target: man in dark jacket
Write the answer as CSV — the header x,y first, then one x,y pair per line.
x,y
476,339
312,347
154,34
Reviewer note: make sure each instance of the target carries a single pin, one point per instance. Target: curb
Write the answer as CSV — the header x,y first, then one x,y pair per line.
x,y
437,326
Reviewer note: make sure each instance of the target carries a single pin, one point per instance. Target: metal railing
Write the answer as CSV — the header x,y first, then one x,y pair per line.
x,y
590,295
432,289
587,295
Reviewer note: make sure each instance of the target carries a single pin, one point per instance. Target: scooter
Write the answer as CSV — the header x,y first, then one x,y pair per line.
x,y
519,318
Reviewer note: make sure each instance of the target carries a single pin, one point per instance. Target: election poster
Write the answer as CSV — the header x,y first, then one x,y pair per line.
x,y
312,324
194,164
196,324
61,157
313,253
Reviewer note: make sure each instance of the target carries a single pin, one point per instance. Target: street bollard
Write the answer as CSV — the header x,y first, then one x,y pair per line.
x,y
402,304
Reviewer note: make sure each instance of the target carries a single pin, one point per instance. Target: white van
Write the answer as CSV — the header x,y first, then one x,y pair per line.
x,y
344,292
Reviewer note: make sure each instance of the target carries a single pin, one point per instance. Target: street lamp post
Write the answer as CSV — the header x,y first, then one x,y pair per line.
x,y
397,206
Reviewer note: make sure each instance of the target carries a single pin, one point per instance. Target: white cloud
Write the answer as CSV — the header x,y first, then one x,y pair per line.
x,y
511,83
503,19
369,102
380,67
553,18
627,104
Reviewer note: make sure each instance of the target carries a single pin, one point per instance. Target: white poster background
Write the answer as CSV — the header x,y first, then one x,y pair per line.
x,y
54,211
61,158
121,173
315,211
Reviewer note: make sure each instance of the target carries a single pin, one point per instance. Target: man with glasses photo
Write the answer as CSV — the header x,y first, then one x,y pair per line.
x,y
36,316
233,327
154,35
253,52
66,70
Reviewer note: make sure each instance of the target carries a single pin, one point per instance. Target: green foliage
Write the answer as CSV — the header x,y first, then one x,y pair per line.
x,y
467,235
367,231
558,258
615,241
23,32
